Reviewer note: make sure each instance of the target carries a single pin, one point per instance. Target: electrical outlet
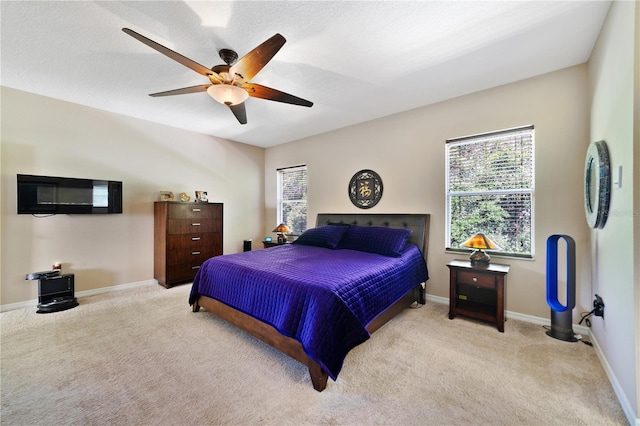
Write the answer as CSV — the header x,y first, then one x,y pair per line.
x,y
598,307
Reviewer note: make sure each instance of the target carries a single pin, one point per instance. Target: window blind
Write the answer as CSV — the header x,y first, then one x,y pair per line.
x,y
292,198
490,187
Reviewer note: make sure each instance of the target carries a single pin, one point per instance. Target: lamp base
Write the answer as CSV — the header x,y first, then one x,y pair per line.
x,y
479,257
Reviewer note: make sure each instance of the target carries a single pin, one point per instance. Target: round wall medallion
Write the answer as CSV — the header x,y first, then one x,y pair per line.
x,y
184,197
365,189
597,184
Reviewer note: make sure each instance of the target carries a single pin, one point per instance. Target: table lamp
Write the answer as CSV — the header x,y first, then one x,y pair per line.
x,y
480,242
281,230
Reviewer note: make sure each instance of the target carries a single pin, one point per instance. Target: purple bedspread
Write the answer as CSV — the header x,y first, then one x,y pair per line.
x,y
321,297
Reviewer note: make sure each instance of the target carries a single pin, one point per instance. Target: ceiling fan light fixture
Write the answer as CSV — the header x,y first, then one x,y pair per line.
x,y
227,94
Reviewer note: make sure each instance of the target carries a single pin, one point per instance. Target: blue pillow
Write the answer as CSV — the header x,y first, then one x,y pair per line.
x,y
375,239
327,236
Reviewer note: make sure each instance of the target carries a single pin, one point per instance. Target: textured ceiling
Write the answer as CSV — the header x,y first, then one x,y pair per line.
x,y
356,60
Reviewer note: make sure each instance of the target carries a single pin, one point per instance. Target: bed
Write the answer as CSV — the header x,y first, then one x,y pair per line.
x,y
325,293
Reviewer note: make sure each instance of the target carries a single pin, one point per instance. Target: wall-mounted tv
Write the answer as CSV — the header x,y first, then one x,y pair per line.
x,y
60,195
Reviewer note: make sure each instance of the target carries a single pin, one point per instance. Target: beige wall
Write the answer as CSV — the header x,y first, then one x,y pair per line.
x,y
44,136
50,137
408,151
613,80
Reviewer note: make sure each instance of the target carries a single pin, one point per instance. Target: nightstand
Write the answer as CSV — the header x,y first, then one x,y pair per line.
x,y
268,244
477,291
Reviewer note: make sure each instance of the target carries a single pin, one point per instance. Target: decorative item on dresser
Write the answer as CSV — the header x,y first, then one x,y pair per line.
x,y
201,197
185,235
477,290
167,196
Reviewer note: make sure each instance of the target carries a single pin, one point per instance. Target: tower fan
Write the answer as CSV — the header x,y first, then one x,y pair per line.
x,y
561,315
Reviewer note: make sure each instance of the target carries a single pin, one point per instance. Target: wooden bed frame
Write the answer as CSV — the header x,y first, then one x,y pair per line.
x,y
419,225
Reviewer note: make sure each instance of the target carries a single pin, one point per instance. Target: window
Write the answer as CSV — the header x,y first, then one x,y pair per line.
x,y
292,198
489,189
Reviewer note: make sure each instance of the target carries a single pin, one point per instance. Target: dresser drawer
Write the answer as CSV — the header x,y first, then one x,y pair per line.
x,y
190,257
194,241
178,273
190,226
194,211
476,279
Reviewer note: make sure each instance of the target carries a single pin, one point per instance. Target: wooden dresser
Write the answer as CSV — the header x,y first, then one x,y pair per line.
x,y
185,235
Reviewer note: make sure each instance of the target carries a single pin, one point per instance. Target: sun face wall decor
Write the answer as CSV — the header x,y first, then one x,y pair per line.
x,y
365,189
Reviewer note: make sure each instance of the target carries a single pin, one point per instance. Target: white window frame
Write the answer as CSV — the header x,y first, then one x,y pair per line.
x,y
280,198
449,194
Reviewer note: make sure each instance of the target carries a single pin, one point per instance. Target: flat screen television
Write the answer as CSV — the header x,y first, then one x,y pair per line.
x,y
60,195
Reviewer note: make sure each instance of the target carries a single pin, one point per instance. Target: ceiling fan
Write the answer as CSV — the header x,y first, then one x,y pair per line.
x,y
230,83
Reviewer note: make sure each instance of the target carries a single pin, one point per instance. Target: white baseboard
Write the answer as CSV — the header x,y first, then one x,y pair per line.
x,y
629,412
578,329
34,303
116,288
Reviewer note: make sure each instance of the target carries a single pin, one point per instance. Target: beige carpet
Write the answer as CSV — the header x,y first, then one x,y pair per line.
x,y
141,357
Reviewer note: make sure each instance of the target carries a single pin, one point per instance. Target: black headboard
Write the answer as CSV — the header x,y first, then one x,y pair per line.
x,y
417,223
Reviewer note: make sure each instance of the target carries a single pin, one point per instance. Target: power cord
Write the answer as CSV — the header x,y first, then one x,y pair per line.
x,y
586,318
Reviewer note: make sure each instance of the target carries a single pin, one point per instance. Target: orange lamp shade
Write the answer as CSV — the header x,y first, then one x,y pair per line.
x,y
282,229
480,242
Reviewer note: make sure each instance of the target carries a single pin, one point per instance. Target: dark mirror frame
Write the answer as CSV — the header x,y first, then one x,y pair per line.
x,y
597,184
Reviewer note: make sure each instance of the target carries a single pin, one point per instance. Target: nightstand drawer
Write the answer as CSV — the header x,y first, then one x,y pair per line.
x,y
475,279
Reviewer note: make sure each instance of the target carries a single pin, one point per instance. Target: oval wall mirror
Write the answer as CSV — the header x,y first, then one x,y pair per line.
x,y
597,184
